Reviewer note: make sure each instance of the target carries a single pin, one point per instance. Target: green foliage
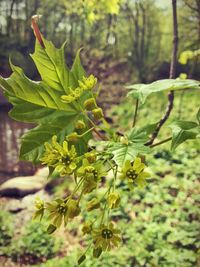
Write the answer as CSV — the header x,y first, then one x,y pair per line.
x,y
40,102
188,55
6,230
35,242
182,131
123,152
142,91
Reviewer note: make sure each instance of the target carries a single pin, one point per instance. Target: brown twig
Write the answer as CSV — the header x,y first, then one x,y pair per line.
x,y
36,30
161,142
172,75
99,135
135,113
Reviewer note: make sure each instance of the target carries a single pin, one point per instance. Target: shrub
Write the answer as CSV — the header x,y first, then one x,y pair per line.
x,y
6,230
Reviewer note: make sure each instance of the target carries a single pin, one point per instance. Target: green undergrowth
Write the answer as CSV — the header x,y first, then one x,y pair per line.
x,y
6,231
160,225
186,105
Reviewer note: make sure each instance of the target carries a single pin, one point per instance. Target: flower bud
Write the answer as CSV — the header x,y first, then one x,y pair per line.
x,y
93,204
89,169
77,92
80,125
91,156
81,259
124,140
113,200
73,208
88,83
73,137
90,104
97,113
39,203
91,82
68,98
87,228
97,252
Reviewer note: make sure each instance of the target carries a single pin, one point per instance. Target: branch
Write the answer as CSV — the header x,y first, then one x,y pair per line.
x,y
135,113
191,7
172,75
161,142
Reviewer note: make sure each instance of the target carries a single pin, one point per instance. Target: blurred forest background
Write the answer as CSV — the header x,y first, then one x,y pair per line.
x,y
125,42
131,32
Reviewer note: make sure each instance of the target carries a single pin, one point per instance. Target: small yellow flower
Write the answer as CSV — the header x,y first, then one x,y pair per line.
x,y
88,83
68,98
90,104
106,237
61,210
113,200
73,137
73,208
39,206
80,125
60,157
91,156
93,204
134,173
97,113
92,174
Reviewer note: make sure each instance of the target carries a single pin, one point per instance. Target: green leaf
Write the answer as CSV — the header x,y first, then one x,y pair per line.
x,y
182,131
77,69
123,152
37,93
51,65
142,91
32,146
141,135
40,102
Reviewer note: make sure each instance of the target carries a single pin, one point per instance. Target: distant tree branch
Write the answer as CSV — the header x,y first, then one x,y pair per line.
x,y
172,74
190,6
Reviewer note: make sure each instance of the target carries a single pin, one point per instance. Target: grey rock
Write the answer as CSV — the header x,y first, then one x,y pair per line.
x,y
43,172
22,186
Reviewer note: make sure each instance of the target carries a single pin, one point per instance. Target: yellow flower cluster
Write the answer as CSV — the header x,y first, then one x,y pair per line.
x,y
84,85
60,157
187,55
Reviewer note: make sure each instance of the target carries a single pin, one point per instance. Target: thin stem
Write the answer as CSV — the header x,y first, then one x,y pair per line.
x,y
79,199
77,187
115,177
161,142
135,113
172,75
94,125
103,214
91,129
99,135
88,247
